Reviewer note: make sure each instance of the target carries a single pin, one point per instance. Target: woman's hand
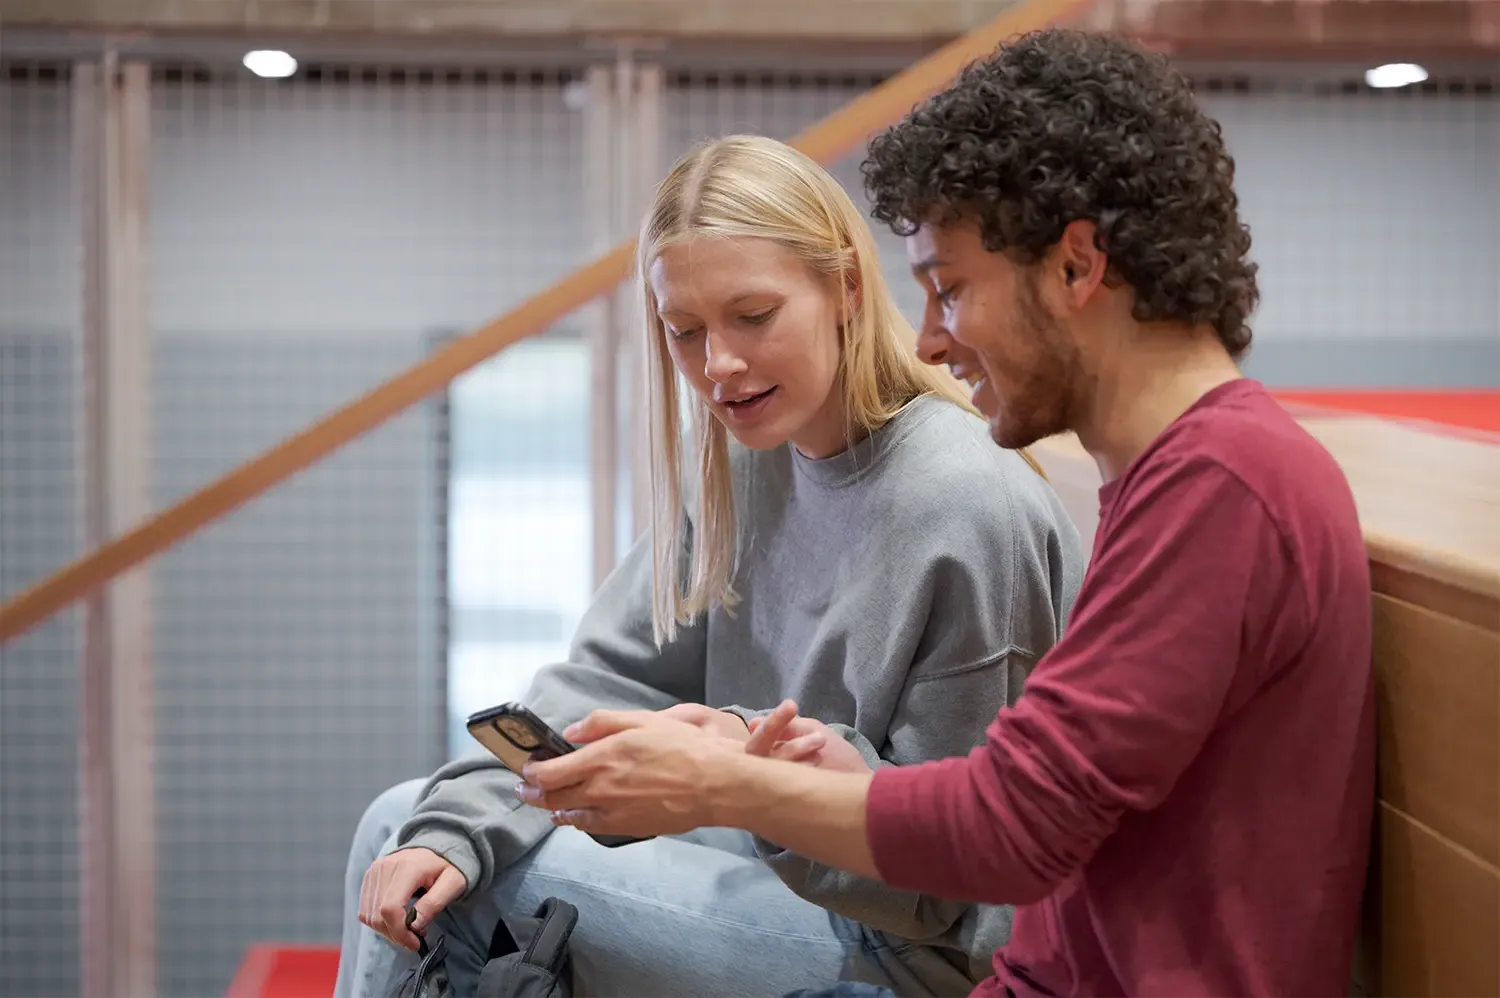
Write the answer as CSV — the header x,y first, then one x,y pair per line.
x,y
390,883
782,734
711,721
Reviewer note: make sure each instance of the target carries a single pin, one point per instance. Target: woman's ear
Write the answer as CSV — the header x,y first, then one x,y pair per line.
x,y
854,290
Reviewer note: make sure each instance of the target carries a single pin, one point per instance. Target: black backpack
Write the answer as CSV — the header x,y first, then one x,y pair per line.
x,y
541,970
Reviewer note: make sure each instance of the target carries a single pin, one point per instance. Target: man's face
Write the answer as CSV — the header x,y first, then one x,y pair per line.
x,y
986,321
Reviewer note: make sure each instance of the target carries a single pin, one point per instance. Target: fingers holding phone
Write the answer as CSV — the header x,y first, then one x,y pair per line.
x,y
517,736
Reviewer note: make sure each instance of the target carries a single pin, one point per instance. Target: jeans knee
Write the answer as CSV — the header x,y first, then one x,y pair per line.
x,y
385,815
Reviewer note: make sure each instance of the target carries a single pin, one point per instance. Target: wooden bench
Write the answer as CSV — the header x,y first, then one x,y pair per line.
x,y
1430,507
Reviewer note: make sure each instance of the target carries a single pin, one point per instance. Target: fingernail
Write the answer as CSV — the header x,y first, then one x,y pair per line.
x,y
572,731
526,791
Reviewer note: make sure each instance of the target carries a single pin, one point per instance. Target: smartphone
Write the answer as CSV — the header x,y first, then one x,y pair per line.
x,y
515,736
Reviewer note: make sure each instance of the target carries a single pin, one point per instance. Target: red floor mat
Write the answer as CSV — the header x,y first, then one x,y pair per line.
x,y
286,971
1477,409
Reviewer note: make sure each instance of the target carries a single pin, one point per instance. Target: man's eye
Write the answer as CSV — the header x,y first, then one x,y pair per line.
x,y
946,295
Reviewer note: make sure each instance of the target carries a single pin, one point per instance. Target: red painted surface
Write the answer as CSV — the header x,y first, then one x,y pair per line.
x,y
270,970
1478,409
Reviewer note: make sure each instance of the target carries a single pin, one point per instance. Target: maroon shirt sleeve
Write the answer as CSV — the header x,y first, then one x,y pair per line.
x,y
1191,563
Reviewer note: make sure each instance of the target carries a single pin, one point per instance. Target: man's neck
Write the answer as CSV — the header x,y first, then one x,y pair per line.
x,y
1153,378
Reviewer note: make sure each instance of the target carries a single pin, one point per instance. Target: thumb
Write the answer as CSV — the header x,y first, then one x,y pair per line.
x,y
448,888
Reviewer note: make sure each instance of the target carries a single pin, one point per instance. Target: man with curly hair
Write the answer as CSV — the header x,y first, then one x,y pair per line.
x,y
1180,804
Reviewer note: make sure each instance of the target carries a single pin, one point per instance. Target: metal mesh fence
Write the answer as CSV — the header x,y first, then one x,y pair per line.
x,y
312,236
1373,215
39,531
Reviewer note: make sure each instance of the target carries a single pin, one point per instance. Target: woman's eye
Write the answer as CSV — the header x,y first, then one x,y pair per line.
x,y
680,334
760,318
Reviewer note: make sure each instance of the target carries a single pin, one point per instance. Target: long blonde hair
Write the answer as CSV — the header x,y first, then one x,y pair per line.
x,y
749,186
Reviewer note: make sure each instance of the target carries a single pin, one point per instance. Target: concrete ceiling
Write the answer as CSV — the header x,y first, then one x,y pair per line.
x,y
872,19
1322,29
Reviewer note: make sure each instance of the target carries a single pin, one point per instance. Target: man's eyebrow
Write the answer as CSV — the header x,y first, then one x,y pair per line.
x,y
927,263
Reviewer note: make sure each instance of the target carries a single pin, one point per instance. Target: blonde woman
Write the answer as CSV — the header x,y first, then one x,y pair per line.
x,y
839,530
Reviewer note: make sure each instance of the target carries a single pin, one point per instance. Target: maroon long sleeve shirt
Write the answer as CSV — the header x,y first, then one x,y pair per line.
x,y
1180,803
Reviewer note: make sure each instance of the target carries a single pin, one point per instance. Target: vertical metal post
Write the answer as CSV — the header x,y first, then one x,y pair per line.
x,y
131,623
623,146
95,805
645,127
598,182
118,840
623,302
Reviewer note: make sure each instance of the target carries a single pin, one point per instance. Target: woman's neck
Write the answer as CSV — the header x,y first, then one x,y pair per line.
x,y
830,432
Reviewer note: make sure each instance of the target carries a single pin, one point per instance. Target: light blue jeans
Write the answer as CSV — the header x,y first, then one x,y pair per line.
x,y
695,915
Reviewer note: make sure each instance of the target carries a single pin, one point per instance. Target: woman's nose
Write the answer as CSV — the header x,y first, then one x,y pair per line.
x,y
721,363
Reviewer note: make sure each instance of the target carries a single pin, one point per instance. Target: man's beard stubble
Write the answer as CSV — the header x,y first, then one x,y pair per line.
x,y
1042,404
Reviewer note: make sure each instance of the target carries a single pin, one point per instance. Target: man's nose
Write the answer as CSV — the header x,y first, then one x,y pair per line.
x,y
933,343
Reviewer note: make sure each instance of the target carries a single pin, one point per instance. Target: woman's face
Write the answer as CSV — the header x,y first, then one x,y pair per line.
x,y
755,332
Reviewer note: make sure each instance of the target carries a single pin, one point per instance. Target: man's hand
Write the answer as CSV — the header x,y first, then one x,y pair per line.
x,y
391,881
637,773
782,734
709,720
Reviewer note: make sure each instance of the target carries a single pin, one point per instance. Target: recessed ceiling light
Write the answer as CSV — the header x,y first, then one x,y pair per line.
x,y
270,63
1395,74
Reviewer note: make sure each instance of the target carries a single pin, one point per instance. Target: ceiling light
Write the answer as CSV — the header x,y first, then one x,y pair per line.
x,y
270,63
575,95
1395,74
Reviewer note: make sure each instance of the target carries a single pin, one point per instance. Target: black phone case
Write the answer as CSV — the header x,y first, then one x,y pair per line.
x,y
489,728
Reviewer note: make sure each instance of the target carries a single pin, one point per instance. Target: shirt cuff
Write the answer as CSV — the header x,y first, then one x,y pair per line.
x,y
452,845
894,823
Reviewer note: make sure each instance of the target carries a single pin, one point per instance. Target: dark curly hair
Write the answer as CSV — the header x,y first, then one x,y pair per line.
x,y
1061,125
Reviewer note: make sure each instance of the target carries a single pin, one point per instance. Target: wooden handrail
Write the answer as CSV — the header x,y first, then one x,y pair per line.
x,y
839,133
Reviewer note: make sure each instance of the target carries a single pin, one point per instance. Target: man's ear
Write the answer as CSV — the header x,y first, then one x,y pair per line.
x,y
1079,263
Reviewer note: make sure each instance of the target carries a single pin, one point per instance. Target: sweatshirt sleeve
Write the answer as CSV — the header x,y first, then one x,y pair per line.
x,y
468,812
1113,715
995,595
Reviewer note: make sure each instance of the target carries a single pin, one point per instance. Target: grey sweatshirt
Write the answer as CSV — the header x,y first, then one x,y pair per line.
x,y
899,591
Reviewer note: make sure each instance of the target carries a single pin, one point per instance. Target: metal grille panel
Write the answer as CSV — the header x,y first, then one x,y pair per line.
x,y
39,531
